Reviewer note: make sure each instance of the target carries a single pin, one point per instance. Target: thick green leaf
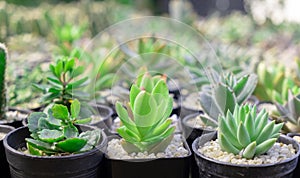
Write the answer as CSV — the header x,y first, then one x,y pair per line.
x,y
128,135
77,71
43,146
70,131
250,126
33,120
71,145
265,133
243,136
44,123
265,146
226,145
249,151
228,133
50,136
34,151
225,98
83,121
60,112
123,115
134,91
75,108
78,83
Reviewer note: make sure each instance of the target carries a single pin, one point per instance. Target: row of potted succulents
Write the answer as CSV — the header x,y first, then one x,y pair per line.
x,y
227,137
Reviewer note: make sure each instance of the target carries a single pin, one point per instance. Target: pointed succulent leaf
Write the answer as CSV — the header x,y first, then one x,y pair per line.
x,y
250,126
249,151
265,133
225,98
248,89
225,130
134,91
226,145
209,106
265,146
243,136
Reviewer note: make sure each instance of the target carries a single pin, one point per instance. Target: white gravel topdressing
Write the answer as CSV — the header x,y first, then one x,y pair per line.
x,y
15,115
196,122
176,149
279,152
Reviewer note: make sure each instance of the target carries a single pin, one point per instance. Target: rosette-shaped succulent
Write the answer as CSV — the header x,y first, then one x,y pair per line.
x,y
290,113
146,123
222,96
247,133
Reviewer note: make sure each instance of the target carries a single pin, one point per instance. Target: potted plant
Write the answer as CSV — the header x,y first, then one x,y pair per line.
x,y
53,146
215,100
225,92
8,116
245,146
4,129
289,114
273,85
148,142
65,85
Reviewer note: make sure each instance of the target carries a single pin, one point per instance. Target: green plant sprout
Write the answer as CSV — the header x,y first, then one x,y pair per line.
x,y
224,94
63,84
55,133
247,133
146,123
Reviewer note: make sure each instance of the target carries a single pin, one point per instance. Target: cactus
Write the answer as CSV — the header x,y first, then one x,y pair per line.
x,y
224,95
247,133
146,126
3,59
290,113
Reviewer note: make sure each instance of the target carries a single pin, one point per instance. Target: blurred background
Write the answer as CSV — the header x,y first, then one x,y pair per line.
x,y
242,32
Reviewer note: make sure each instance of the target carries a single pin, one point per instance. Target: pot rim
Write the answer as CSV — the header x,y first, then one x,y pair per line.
x,y
150,159
110,111
191,116
245,165
71,156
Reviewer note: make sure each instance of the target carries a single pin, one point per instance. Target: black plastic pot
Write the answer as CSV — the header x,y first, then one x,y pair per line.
x,y
17,122
106,113
3,163
82,165
149,168
191,133
297,170
213,168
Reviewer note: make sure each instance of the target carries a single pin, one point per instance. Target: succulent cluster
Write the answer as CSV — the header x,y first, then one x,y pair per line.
x,y
146,126
225,92
63,83
247,133
273,84
3,60
290,113
55,133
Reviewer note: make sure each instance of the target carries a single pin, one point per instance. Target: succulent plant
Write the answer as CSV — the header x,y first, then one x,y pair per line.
x,y
55,133
3,60
146,126
225,92
64,84
273,84
247,133
290,113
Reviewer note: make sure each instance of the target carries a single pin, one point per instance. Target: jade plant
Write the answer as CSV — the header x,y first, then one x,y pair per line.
x,y
146,124
3,60
273,84
225,92
290,113
65,83
54,133
246,132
